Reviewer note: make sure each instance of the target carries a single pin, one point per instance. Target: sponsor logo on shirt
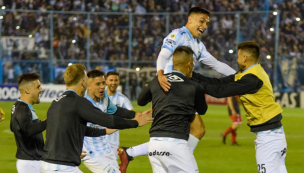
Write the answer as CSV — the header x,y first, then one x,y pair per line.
x,y
172,35
174,78
170,42
159,153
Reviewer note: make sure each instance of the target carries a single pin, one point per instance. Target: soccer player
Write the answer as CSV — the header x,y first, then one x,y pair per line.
x,y
99,154
120,100
67,119
188,35
198,20
173,111
235,116
26,126
263,114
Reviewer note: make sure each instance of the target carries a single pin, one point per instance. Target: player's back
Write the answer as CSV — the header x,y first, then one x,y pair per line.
x,y
63,130
173,110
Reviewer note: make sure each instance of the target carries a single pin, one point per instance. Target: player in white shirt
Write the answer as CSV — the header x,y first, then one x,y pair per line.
x,y
99,155
188,35
120,100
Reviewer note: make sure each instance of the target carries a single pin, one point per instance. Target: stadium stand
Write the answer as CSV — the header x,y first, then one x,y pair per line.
x,y
109,35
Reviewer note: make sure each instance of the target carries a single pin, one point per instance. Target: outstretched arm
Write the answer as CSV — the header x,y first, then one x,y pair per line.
x,y
208,59
248,84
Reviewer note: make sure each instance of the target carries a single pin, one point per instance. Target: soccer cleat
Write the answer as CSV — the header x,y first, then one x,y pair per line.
x,y
124,159
235,144
223,138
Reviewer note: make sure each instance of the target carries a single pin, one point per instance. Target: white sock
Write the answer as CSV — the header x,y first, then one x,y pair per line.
x,y
139,150
192,141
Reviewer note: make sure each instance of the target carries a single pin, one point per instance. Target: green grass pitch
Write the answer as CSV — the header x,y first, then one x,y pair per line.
x,y
211,155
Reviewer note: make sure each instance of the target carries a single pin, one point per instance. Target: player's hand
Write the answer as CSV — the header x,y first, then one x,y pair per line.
x,y
148,112
83,154
163,81
143,118
110,131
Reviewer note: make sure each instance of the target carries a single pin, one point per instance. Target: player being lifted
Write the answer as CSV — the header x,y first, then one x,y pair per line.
x,y
188,35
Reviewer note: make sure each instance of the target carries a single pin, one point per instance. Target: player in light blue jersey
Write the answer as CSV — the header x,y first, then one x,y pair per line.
x,y
120,100
188,35
99,156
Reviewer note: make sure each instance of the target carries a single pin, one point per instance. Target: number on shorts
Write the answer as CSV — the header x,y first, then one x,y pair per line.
x,y
261,168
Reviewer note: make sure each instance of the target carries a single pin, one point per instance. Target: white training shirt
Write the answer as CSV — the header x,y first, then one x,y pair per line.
x,y
183,37
119,100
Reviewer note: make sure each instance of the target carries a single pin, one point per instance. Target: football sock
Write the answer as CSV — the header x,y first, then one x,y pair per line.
x,y
139,150
229,130
233,136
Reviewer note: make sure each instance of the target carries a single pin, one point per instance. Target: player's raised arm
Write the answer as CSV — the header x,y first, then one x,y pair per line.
x,y
209,60
162,58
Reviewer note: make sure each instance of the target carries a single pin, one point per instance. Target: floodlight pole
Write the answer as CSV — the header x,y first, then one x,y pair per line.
x,y
276,49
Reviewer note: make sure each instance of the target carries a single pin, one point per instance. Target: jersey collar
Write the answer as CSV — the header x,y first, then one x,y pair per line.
x,y
250,67
188,32
176,71
91,100
71,90
106,93
29,105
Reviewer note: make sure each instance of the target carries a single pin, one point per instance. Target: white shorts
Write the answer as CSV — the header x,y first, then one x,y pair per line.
x,y
170,155
57,168
103,164
271,148
26,166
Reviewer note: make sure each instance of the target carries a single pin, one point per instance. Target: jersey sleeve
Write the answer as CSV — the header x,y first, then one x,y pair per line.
x,y
27,127
200,101
111,107
248,84
89,113
173,40
209,60
146,95
94,132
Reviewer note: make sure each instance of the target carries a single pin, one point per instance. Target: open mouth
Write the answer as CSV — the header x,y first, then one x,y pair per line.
x,y
200,30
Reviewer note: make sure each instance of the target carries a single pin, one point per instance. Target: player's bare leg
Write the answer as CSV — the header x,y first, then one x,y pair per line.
x,y
197,131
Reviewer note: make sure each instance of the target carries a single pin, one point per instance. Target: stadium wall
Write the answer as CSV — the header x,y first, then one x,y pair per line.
x,y
51,91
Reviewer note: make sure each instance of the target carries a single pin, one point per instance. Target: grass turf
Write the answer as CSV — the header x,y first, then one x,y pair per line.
x,y
211,155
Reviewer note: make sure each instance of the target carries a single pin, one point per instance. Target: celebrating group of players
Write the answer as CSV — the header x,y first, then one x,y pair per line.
x,y
78,121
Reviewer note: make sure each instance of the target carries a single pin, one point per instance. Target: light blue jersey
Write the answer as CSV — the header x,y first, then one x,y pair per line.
x,y
119,100
183,37
98,146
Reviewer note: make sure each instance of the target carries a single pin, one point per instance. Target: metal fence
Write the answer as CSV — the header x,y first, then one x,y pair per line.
x,y
46,42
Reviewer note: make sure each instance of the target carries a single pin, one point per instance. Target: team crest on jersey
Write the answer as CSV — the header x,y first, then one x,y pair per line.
x,y
172,35
174,78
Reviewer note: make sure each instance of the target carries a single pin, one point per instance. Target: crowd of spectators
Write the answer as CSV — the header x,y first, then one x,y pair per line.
x,y
108,44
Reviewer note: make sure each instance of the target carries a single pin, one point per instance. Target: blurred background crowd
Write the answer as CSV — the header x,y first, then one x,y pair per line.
x,y
107,35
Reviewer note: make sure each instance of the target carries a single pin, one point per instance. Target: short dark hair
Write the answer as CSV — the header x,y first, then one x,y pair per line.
x,y
199,10
251,47
27,77
95,73
112,73
181,49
